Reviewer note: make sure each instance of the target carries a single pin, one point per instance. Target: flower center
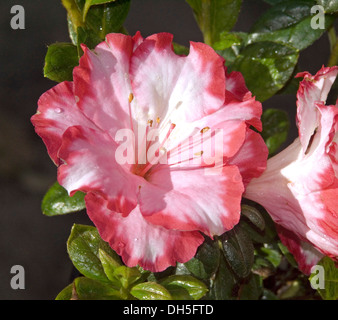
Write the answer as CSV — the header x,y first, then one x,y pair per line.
x,y
154,151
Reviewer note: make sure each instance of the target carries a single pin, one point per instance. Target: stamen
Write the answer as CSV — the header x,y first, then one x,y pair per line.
x,y
150,123
158,120
161,150
131,97
198,154
205,129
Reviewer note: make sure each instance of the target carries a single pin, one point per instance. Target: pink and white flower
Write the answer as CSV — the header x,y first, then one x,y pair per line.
x,y
300,185
152,213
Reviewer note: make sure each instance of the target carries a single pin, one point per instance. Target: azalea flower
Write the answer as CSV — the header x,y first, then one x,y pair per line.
x,y
300,185
161,144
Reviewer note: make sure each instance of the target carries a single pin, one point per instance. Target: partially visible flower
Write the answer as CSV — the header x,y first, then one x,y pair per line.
x,y
131,96
300,185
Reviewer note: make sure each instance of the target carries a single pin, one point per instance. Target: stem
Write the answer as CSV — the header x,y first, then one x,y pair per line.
x,y
206,9
333,60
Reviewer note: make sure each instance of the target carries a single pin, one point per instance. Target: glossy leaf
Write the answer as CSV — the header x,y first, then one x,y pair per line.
x,y
266,67
89,289
329,290
110,264
99,20
222,285
275,128
288,22
238,251
150,291
215,17
60,60
253,215
66,293
90,3
330,6
195,288
283,15
127,276
227,40
57,201
83,247
206,260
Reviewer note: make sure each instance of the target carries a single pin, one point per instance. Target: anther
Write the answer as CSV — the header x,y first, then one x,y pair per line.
x,y
131,97
205,129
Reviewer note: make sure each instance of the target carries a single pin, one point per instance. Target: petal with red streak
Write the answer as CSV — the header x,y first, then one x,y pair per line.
x,y
139,242
90,166
168,86
194,199
57,111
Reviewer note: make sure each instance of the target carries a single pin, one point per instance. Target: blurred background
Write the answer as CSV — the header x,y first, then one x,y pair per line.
x,y
27,237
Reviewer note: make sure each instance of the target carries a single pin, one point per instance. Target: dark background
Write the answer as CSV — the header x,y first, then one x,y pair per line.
x,y
28,238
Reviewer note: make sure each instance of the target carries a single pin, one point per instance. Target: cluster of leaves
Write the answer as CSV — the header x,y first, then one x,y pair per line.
x,y
248,262
267,56
105,277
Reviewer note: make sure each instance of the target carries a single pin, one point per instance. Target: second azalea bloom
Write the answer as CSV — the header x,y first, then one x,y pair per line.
x,y
160,143
299,189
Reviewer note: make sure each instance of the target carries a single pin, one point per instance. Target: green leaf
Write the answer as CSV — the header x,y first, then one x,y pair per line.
x,y
206,260
99,20
238,251
222,285
60,60
66,293
127,276
288,22
89,289
273,2
83,247
180,50
276,126
287,254
90,3
227,40
329,291
150,291
253,215
57,201
266,67
110,264
251,289
272,254
283,15
195,288
215,17
330,6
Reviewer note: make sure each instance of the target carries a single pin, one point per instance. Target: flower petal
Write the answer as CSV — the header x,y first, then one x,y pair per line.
x,y
175,88
90,165
189,203
139,242
304,253
252,156
56,112
101,83
311,90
